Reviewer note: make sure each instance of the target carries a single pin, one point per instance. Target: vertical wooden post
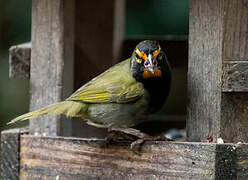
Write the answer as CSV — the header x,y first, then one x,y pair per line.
x,y
234,116
217,74
119,29
204,68
51,75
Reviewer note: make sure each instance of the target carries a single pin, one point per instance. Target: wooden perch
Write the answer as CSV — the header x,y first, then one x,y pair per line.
x,y
19,60
77,158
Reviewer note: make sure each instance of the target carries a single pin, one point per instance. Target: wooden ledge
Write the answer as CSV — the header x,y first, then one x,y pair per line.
x,y
78,158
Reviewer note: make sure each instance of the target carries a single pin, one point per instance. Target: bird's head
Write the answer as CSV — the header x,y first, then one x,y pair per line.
x,y
148,61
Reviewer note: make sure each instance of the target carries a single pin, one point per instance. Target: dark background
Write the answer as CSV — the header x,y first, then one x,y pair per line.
x,y
164,20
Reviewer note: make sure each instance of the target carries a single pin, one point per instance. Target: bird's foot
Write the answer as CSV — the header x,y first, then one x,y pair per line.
x,y
131,131
136,145
142,137
114,136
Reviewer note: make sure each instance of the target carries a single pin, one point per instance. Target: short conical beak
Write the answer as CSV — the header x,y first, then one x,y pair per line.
x,y
150,66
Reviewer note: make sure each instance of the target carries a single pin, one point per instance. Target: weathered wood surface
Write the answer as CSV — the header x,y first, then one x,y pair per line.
x,y
19,60
217,38
242,161
77,158
204,69
10,154
234,114
235,49
234,117
119,29
235,35
235,76
52,60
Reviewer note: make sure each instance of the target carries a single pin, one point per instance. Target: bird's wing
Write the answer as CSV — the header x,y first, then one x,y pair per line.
x,y
114,85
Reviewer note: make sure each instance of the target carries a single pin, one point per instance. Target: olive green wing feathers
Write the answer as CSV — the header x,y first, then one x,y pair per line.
x,y
114,85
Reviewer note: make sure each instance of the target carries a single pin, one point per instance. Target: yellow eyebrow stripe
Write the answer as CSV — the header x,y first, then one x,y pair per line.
x,y
141,54
156,53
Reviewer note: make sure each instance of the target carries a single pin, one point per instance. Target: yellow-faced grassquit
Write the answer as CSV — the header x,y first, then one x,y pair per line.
x,y
121,96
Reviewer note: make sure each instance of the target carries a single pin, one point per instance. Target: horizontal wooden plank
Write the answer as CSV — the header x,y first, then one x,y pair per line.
x,y
19,60
235,76
77,158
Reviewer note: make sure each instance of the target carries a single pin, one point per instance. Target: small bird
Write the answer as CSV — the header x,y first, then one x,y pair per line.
x,y
123,95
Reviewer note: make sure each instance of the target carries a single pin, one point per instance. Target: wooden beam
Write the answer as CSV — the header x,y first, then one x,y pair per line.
x,y
51,61
119,29
205,69
234,118
77,158
10,153
235,76
19,60
236,28
217,66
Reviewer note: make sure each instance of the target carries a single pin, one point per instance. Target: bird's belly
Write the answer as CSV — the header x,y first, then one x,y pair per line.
x,y
117,115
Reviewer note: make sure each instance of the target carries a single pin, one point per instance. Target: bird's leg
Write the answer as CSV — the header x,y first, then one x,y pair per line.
x,y
116,135
137,133
131,131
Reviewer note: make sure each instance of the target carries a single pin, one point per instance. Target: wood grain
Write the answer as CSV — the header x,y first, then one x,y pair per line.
x,y
51,61
234,124
235,76
234,117
236,28
217,76
77,158
242,161
10,143
204,69
19,60
10,153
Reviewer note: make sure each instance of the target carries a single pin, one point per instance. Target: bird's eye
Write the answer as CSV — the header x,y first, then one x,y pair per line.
x,y
146,63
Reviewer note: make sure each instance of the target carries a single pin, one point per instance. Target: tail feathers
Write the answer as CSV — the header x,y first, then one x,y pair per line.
x,y
68,108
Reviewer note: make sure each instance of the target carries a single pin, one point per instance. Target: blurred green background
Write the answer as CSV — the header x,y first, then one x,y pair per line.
x,y
15,28
156,18
144,19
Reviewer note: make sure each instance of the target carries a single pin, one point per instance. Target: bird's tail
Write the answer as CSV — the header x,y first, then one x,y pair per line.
x,y
68,108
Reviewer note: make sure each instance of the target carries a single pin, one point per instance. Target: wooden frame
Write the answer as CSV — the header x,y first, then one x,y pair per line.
x,y
78,158
217,74
218,100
